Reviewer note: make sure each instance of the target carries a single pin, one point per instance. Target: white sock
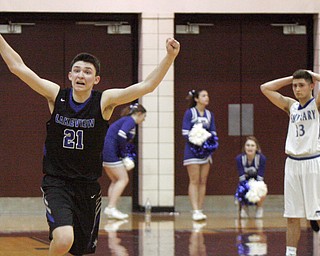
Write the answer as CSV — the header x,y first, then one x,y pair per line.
x,y
291,251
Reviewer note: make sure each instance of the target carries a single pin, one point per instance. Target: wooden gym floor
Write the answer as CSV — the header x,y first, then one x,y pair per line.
x,y
222,234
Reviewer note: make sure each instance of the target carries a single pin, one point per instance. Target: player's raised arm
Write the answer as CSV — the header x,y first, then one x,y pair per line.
x,y
316,80
113,97
16,65
270,90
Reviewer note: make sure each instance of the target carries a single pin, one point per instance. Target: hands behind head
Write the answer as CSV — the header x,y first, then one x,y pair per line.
x,y
173,46
315,76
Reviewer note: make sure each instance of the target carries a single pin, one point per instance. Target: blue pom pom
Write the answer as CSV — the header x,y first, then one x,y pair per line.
x,y
207,148
129,151
242,189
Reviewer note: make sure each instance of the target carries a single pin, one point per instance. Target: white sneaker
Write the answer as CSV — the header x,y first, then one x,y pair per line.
x,y
244,212
113,213
198,215
259,212
203,215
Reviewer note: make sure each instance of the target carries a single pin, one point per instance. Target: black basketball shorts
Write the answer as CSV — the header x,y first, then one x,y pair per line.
x,y
73,203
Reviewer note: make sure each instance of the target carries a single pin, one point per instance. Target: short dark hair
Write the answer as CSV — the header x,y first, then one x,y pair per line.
x,y
87,57
303,74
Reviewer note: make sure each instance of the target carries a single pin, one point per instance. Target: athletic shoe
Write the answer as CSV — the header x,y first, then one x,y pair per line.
x,y
198,215
259,213
314,225
113,213
244,212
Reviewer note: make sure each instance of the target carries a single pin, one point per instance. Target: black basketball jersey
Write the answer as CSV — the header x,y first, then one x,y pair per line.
x,y
75,137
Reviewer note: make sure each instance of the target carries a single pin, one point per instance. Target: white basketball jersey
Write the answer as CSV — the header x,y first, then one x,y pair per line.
x,y
303,130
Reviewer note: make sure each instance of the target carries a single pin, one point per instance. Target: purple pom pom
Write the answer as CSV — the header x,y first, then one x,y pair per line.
x,y
242,189
130,152
207,148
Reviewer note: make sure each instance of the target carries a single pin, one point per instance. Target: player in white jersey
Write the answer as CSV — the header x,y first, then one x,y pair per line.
x,y
303,121
302,167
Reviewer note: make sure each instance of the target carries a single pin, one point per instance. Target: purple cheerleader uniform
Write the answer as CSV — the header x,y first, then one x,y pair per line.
x,y
115,142
254,170
192,117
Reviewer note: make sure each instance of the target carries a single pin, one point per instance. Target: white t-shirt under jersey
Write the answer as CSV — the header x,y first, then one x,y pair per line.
x,y
303,130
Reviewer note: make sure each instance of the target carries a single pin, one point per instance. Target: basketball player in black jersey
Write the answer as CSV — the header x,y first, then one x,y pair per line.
x,y
75,135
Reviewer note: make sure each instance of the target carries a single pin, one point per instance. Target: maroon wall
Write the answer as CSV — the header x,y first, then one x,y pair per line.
x,y
48,48
230,59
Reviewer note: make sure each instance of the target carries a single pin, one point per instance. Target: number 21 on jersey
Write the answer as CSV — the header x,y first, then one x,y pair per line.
x,y
73,139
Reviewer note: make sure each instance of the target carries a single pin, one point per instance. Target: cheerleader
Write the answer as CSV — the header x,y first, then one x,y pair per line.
x,y
251,165
199,131
118,156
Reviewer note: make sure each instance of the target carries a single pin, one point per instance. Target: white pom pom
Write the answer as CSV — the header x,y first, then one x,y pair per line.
x,y
257,189
128,163
198,135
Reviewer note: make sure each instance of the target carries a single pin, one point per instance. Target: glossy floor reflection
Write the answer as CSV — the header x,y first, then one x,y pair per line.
x,y
168,234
